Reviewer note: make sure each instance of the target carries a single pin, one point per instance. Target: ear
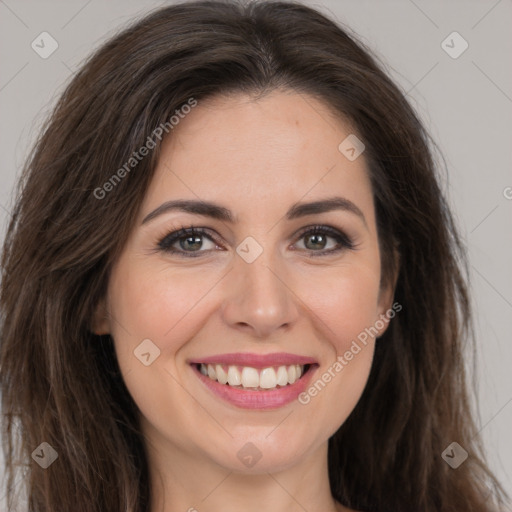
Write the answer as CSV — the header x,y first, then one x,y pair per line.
x,y
386,296
100,323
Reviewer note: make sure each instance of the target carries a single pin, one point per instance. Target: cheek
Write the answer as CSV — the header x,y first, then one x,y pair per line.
x,y
156,303
152,300
347,304
348,312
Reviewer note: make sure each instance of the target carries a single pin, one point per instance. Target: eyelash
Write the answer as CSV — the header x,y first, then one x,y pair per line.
x,y
165,244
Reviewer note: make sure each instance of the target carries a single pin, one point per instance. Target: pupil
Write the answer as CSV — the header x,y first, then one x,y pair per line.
x,y
197,240
315,237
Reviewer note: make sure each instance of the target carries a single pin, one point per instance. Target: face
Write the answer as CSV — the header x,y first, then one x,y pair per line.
x,y
262,297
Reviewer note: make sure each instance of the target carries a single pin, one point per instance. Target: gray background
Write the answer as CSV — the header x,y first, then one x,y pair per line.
x,y
466,103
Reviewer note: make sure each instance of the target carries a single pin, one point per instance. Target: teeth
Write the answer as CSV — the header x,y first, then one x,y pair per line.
x,y
282,376
234,377
248,377
292,374
222,376
268,378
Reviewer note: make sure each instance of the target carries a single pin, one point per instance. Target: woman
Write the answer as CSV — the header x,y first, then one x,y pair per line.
x,y
173,336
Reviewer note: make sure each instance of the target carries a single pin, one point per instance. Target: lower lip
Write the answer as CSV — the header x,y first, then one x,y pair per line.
x,y
271,399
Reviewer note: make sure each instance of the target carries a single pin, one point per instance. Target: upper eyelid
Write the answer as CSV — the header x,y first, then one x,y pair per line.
x,y
211,232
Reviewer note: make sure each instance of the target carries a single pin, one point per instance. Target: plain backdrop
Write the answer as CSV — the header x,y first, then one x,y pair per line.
x,y
465,102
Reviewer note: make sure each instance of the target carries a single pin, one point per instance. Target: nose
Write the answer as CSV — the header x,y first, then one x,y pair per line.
x,y
260,301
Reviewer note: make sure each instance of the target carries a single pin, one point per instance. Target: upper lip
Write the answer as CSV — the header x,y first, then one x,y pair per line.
x,y
255,360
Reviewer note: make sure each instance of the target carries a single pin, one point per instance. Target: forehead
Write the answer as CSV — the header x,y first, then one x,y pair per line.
x,y
275,150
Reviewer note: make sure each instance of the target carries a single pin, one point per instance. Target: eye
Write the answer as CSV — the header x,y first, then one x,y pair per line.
x,y
190,241
319,235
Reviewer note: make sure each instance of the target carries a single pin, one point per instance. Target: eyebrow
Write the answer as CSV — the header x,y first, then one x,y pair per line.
x,y
216,211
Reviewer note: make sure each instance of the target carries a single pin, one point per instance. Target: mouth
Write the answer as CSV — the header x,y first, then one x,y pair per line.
x,y
249,378
256,382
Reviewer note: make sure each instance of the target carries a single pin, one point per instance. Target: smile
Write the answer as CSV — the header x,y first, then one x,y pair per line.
x,y
253,381
247,377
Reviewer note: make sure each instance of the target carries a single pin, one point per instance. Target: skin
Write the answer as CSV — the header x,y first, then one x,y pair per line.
x,y
257,158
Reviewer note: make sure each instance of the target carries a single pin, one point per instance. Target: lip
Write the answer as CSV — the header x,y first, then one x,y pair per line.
x,y
262,400
256,360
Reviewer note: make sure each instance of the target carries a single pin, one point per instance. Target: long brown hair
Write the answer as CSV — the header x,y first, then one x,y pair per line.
x,y
61,383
